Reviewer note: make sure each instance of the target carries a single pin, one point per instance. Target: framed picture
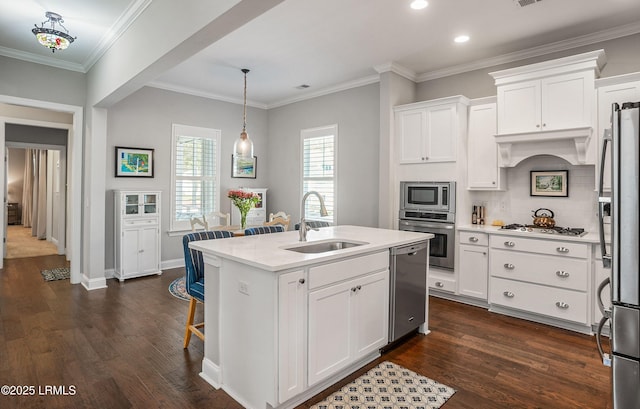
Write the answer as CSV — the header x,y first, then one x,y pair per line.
x,y
134,162
552,183
243,167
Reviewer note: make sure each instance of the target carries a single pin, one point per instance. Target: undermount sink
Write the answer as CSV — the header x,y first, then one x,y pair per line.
x,y
324,246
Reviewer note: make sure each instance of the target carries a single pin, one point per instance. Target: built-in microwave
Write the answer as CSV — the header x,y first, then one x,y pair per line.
x,y
428,196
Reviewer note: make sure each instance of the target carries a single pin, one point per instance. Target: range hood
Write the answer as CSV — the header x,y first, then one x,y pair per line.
x,y
569,144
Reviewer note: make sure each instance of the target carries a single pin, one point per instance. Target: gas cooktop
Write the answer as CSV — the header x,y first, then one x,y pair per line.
x,y
565,231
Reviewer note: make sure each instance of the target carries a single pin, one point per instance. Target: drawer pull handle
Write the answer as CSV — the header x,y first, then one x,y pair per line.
x,y
562,305
509,266
562,249
563,274
301,281
439,284
353,289
509,294
473,239
509,243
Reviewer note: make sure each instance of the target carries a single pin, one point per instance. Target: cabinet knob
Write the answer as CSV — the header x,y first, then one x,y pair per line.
x,y
439,284
358,287
508,294
141,251
509,243
354,289
563,274
473,239
493,183
301,281
562,305
537,125
562,249
509,266
544,125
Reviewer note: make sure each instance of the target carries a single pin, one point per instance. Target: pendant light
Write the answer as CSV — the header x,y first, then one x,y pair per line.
x,y
243,148
50,37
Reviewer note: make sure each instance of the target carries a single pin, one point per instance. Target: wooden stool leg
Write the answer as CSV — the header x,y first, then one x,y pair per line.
x,y
190,315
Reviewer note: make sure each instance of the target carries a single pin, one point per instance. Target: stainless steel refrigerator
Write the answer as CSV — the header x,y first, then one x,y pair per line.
x,y
623,259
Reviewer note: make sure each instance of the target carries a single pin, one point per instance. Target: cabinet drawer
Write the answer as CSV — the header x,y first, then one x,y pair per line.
x,y
478,239
554,302
346,269
442,284
549,247
562,272
140,222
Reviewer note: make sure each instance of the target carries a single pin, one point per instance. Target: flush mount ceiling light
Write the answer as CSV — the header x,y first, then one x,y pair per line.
x,y
243,147
419,4
49,36
461,39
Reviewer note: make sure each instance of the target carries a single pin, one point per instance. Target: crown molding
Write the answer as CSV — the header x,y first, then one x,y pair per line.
x,y
564,45
199,93
38,59
396,69
116,31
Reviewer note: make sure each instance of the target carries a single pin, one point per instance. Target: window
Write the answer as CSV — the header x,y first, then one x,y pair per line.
x,y
195,174
319,170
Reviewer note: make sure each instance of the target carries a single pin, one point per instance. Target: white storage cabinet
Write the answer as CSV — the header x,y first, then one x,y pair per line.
x,y
429,131
483,171
257,215
137,233
474,264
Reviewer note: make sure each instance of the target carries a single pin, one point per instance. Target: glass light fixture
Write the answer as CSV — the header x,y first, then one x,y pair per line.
x,y
50,37
243,147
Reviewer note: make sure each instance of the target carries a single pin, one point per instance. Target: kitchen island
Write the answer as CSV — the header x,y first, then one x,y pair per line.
x,y
282,324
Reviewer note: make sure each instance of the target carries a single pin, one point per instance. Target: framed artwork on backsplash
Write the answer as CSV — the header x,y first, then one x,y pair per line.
x,y
550,183
134,162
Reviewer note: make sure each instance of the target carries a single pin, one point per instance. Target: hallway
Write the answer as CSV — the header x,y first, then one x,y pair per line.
x,y
21,244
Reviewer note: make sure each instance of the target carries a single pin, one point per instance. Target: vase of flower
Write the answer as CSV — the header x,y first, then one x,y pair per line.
x,y
244,201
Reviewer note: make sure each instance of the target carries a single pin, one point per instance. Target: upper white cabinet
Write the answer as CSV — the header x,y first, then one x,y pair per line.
x,y
137,234
620,89
551,102
429,131
483,172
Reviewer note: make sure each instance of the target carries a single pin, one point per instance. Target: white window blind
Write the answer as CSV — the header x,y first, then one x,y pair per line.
x,y
319,170
195,174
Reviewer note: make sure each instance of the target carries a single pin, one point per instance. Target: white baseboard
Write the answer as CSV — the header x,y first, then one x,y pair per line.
x,y
110,273
93,284
175,263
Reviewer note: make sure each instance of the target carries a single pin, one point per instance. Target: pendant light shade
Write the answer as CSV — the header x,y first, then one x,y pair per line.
x,y
51,37
243,147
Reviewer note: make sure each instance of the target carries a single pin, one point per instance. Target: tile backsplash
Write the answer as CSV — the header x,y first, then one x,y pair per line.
x,y
516,205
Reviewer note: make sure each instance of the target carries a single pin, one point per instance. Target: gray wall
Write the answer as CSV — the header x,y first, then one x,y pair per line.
x,y
623,56
144,120
357,114
15,175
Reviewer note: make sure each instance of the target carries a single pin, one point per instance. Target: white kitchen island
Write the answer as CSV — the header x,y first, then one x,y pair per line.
x,y
282,325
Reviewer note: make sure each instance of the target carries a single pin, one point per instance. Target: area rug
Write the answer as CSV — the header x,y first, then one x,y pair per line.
x,y
178,290
389,386
60,273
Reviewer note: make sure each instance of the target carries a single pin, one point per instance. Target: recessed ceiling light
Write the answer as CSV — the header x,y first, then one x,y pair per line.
x,y
419,4
461,39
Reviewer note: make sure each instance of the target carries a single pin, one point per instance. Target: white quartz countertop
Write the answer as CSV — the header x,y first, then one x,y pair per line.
x,y
268,251
590,237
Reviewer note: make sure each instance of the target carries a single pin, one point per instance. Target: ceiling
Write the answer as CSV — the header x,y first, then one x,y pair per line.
x,y
330,44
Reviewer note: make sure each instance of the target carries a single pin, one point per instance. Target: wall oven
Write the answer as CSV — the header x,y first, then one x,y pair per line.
x,y
441,247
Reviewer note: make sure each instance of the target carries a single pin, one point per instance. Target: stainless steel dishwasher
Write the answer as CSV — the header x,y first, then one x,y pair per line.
x,y
408,288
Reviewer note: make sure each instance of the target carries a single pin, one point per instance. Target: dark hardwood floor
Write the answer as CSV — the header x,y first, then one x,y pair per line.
x,y
121,347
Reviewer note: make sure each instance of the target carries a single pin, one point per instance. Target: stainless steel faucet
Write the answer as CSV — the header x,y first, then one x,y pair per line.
x,y
304,227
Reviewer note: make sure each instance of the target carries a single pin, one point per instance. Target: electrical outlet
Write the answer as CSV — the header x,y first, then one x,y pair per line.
x,y
503,206
243,287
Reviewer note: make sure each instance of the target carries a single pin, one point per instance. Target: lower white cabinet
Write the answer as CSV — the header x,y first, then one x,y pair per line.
x,y
474,265
330,316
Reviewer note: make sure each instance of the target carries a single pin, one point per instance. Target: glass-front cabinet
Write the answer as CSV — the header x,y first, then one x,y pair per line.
x,y
137,234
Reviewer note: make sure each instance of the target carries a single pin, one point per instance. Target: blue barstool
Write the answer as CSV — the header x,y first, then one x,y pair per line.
x,y
314,224
194,282
252,231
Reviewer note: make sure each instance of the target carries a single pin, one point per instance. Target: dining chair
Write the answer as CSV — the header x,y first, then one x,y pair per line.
x,y
314,224
194,280
224,220
252,231
280,218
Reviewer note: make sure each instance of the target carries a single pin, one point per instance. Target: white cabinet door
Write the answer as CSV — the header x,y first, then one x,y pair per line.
x,y
474,271
519,107
291,329
330,330
148,256
608,95
130,247
482,157
411,129
567,101
440,138
371,318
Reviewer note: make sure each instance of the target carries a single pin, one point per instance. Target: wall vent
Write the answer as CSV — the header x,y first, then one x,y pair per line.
x,y
523,3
